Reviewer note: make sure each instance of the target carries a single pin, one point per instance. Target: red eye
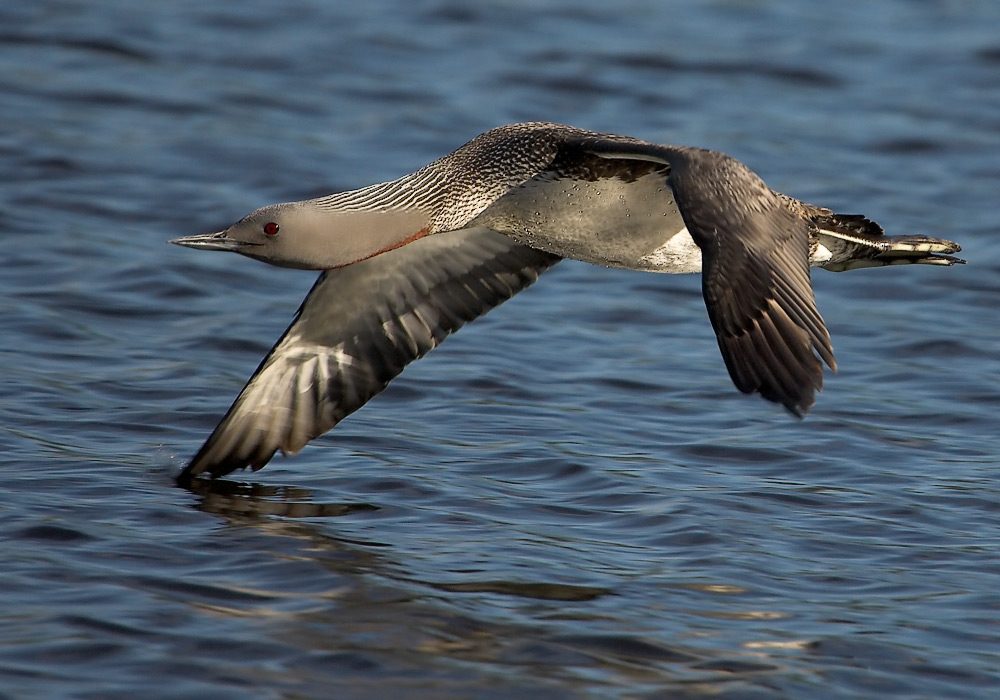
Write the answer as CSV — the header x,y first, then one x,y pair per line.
x,y
270,228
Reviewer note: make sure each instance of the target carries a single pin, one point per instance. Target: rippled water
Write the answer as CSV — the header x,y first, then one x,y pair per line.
x,y
568,499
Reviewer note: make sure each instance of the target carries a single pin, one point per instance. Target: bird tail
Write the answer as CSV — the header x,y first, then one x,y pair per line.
x,y
850,241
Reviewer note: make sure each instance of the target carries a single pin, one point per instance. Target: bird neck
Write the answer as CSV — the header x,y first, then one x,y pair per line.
x,y
338,237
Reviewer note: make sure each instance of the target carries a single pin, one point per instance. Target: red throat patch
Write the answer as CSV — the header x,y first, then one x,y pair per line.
x,y
409,239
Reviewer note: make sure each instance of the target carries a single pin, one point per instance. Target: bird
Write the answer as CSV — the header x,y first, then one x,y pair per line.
x,y
406,263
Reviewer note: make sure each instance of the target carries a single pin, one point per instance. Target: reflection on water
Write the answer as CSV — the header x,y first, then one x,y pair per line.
x,y
229,498
373,609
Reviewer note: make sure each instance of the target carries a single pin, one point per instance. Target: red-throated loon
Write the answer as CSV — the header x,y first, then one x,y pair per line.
x,y
408,262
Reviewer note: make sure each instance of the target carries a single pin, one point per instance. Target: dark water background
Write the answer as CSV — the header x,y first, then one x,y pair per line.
x,y
568,499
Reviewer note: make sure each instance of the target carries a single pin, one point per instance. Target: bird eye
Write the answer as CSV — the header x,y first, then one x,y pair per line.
x,y
270,228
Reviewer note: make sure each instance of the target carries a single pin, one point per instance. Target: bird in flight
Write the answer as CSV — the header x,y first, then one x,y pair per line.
x,y
407,262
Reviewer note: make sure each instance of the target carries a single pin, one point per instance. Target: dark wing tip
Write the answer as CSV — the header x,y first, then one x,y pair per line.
x,y
777,358
222,454
215,468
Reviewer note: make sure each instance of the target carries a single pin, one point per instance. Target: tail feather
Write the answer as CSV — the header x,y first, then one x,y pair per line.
x,y
851,241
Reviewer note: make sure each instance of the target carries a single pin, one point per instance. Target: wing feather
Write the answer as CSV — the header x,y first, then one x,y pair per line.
x,y
356,330
755,269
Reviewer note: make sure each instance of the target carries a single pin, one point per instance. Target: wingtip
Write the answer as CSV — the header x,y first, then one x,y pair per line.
x,y
186,479
199,469
801,408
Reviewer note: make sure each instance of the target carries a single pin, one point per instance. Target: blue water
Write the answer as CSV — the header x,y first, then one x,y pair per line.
x,y
569,498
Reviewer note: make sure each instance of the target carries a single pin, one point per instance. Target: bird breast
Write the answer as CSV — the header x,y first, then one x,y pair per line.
x,y
614,222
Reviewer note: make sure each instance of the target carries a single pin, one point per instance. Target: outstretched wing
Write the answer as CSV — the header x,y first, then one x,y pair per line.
x,y
358,328
755,269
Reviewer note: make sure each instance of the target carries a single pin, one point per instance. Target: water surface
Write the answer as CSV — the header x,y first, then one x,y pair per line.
x,y
567,499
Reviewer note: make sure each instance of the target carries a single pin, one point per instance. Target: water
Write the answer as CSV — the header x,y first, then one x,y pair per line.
x,y
568,499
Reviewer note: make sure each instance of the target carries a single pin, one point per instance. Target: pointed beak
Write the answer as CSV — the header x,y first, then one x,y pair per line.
x,y
211,241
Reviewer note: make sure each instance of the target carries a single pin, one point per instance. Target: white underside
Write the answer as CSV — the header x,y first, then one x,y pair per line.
x,y
679,255
611,222
821,254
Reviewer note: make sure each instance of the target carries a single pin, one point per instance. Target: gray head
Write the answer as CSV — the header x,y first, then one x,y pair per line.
x,y
307,235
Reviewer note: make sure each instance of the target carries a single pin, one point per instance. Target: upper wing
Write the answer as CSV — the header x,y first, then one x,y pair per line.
x,y
358,328
755,276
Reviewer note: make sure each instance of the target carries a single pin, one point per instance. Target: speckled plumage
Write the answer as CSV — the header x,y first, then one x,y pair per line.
x,y
410,261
